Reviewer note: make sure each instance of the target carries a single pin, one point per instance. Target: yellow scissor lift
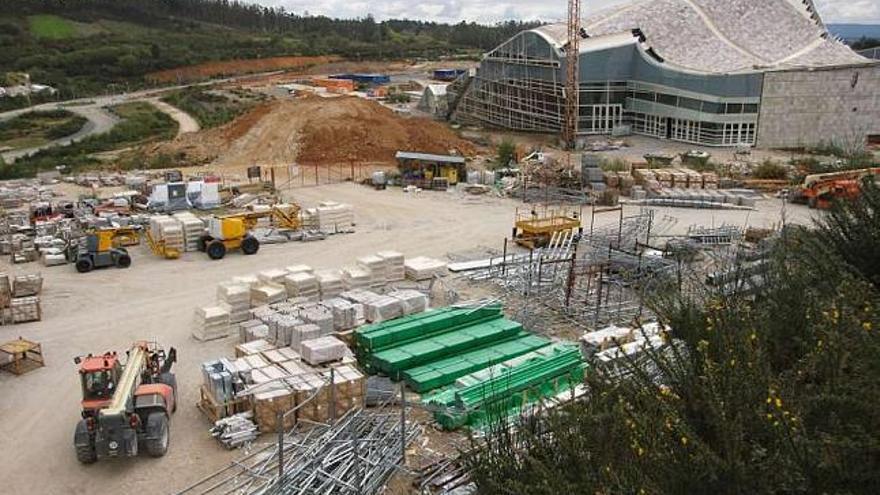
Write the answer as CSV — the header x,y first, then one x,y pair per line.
x,y
535,227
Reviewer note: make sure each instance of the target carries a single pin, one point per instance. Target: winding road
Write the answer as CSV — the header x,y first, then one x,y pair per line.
x,y
100,120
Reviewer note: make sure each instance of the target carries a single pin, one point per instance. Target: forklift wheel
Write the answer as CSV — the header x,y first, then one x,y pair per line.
x,y
123,261
216,250
250,245
84,265
203,242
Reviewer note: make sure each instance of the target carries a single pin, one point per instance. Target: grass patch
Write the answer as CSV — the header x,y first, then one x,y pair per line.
x,y
211,108
141,123
51,27
38,128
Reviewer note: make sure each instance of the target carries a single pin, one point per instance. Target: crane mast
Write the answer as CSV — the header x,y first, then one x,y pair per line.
x,y
572,89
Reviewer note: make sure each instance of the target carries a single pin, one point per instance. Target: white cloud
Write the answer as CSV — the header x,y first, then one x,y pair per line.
x,y
858,11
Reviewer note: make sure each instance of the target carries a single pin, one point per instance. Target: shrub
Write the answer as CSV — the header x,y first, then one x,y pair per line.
x,y
770,170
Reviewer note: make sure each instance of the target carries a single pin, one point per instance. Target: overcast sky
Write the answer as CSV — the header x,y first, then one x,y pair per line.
x,y
856,11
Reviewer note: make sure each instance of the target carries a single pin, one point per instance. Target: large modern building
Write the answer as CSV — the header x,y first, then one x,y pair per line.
x,y
711,72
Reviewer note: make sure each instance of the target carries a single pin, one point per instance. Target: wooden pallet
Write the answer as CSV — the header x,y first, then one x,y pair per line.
x,y
215,411
21,356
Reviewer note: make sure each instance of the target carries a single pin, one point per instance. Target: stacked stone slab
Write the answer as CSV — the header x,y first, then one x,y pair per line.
x,y
275,277
394,266
299,269
423,268
193,229
378,268
411,301
169,230
266,294
212,322
323,350
304,333
237,298
346,314
251,330
356,277
302,285
335,218
330,283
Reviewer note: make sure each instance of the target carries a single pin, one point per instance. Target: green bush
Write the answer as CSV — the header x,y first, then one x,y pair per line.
x,y
615,164
768,393
505,153
770,170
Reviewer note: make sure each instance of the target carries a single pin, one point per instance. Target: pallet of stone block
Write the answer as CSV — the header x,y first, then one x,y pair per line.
x,y
312,395
377,268
193,229
317,314
27,285
244,366
302,284
394,265
211,322
383,308
281,329
169,230
302,333
281,355
253,347
412,301
356,277
265,294
250,280
238,298
299,269
345,313
335,218
330,283
322,350
348,382
273,276
423,268
25,309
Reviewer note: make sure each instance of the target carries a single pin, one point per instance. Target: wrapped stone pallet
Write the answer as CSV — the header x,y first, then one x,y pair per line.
x,y
335,218
212,322
394,266
169,230
377,267
266,294
423,268
302,333
383,308
193,229
252,330
302,284
356,277
238,298
322,350
412,301
330,284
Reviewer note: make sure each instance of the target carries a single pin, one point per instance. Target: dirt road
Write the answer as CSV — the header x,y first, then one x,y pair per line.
x,y
155,299
186,124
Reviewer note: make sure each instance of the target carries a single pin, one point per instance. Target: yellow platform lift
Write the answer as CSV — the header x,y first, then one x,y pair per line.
x,y
535,227
233,231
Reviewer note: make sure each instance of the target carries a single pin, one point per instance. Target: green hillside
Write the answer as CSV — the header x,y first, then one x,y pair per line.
x,y
90,47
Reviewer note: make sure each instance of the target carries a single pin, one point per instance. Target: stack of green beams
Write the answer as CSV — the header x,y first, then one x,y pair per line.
x,y
503,390
445,371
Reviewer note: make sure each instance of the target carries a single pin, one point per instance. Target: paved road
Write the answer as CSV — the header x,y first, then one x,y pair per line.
x,y
100,120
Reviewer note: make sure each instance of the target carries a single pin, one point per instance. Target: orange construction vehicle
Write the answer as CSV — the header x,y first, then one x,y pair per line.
x,y
125,406
821,190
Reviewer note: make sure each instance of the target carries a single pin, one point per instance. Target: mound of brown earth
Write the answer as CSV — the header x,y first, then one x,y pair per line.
x,y
235,67
341,130
314,131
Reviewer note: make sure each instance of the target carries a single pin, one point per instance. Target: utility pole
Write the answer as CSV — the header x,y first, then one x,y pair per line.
x,y
572,87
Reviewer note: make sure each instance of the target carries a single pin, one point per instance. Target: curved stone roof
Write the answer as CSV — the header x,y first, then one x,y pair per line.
x,y
722,36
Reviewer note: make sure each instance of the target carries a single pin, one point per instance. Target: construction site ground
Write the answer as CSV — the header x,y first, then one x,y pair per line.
x,y
155,299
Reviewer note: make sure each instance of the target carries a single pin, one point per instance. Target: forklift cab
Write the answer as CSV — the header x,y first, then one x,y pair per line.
x,y
99,376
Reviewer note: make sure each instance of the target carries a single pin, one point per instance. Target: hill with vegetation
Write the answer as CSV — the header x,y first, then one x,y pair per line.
x,y
90,47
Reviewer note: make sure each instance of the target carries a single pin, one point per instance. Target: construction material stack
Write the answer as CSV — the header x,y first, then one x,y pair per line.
x,y
211,322
334,218
193,229
509,388
377,268
424,268
330,283
168,230
302,285
236,298
20,298
395,270
356,277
